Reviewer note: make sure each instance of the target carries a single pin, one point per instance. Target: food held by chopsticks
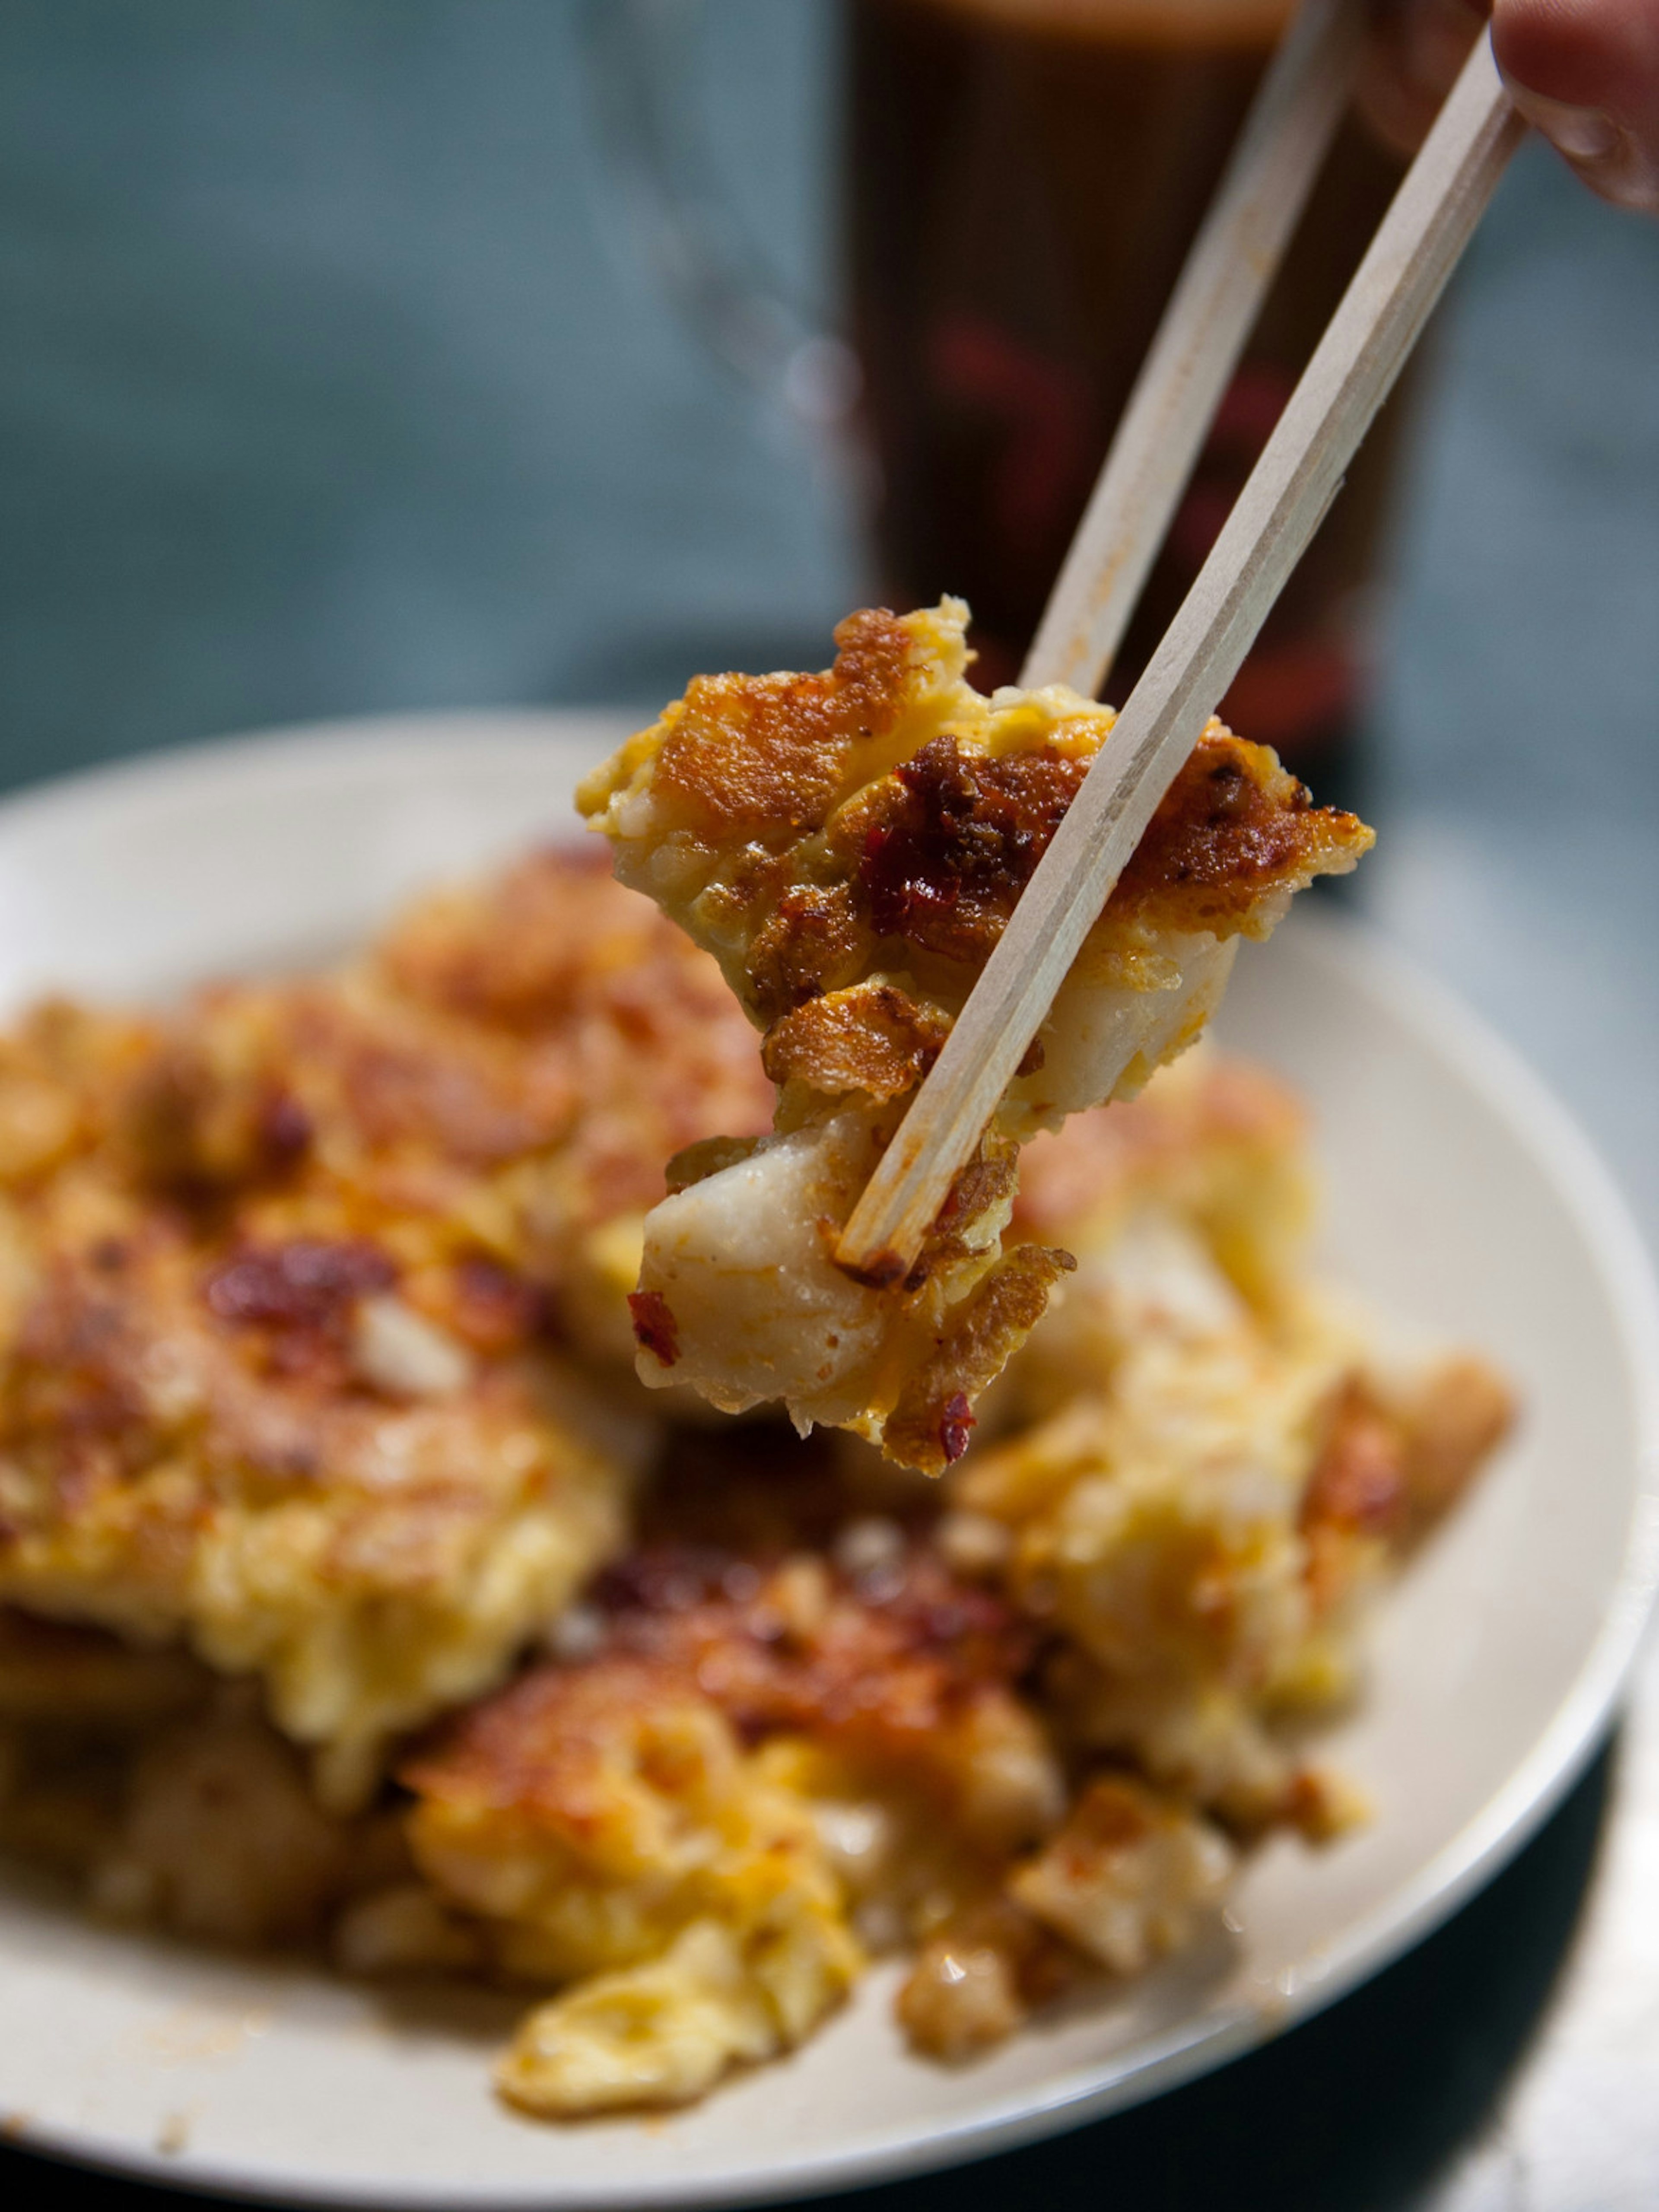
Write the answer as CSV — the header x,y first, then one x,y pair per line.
x,y
850,846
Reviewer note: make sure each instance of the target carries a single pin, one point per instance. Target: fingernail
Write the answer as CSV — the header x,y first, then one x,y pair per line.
x,y
1582,134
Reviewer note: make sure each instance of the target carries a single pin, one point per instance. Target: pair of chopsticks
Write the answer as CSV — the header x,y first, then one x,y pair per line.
x,y
1300,472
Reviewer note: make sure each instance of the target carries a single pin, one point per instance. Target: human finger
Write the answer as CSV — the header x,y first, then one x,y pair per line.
x,y
1413,51
1585,73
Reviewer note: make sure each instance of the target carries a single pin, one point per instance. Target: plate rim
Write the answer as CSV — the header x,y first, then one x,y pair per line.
x,y
1507,1086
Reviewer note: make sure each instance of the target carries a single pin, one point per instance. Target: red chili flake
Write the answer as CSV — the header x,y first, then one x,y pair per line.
x,y
654,1325
305,1284
883,1271
284,1128
1358,1483
945,867
957,1426
495,1308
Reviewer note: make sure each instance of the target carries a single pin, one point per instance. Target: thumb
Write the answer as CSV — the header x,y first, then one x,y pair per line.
x,y
1585,74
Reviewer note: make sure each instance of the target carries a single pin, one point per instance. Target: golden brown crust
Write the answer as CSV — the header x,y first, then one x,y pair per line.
x,y
516,953
873,1038
934,857
883,1662
150,1396
766,755
554,1009
930,1425
818,831
989,1180
1232,827
904,1671
619,1039
812,942
942,849
63,1069
544,1746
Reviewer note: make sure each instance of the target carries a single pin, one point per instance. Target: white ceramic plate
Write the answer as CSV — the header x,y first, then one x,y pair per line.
x,y
1460,1195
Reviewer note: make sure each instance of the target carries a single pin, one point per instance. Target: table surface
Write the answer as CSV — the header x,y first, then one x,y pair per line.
x,y
331,387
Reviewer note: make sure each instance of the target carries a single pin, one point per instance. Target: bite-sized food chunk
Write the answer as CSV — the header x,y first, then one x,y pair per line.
x,y
166,1793
740,1295
608,1826
1126,1879
1127,1876
1401,1441
221,1838
850,847
979,1976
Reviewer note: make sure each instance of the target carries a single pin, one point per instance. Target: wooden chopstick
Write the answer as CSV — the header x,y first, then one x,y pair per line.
x,y
1404,270
1221,288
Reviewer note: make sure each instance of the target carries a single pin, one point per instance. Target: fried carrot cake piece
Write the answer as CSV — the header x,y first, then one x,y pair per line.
x,y
1209,1461
766,1763
304,1287
850,846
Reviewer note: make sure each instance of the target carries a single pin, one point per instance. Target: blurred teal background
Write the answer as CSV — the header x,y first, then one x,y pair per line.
x,y
333,381
329,383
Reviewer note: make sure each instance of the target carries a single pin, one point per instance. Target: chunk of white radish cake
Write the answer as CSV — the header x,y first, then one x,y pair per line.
x,y
850,846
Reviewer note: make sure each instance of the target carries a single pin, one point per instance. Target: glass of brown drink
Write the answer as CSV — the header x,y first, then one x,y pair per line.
x,y
1024,180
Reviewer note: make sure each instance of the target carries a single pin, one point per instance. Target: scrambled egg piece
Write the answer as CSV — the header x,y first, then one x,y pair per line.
x,y
294,1279
608,1826
850,847
706,1902
1211,1464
